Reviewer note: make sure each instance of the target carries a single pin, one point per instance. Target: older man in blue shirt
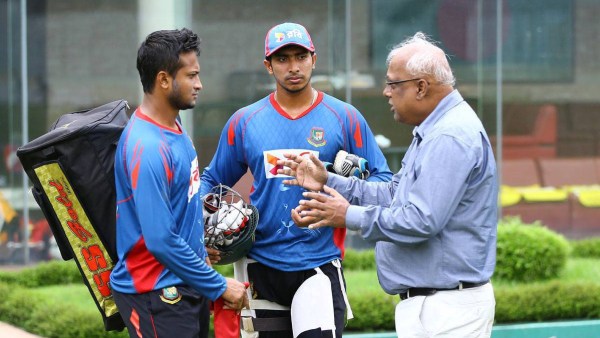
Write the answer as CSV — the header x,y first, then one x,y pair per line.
x,y
435,223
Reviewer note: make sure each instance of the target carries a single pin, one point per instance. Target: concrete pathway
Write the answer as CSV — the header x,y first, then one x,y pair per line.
x,y
9,331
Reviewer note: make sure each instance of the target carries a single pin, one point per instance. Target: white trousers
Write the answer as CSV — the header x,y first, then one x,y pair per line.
x,y
467,313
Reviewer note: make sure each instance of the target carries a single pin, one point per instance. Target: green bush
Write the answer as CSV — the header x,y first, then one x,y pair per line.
x,y
586,248
21,307
47,273
62,322
529,252
533,302
546,302
359,260
17,304
9,277
373,311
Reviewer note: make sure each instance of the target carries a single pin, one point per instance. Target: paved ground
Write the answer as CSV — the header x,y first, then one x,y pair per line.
x,y
8,331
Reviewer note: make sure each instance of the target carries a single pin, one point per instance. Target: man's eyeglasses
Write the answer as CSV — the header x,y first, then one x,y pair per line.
x,y
390,83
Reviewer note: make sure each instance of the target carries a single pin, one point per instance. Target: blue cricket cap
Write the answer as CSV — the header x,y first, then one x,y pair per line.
x,y
287,34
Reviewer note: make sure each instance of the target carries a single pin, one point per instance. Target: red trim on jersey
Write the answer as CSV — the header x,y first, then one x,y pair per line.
x,y
231,130
250,116
136,159
123,156
286,115
358,136
339,237
354,124
147,118
163,154
143,267
340,121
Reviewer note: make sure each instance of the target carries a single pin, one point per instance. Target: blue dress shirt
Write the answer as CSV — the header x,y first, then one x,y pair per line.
x,y
435,223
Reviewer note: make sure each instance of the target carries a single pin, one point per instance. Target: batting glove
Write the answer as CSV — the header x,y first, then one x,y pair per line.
x,y
349,165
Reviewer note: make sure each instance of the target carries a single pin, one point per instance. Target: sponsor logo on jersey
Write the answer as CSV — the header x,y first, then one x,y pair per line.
x,y
271,156
194,179
317,137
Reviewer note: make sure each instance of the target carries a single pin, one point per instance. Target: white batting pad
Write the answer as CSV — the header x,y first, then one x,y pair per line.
x,y
312,306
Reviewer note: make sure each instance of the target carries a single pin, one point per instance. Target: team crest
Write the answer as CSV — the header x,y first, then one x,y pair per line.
x,y
317,137
170,295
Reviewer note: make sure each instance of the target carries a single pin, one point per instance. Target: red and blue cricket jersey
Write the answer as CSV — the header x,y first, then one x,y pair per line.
x,y
160,232
255,137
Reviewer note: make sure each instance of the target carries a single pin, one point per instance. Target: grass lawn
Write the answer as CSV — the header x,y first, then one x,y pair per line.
x,y
76,296
577,269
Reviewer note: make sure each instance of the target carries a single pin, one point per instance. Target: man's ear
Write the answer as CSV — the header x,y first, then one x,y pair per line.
x,y
268,65
314,60
163,80
422,89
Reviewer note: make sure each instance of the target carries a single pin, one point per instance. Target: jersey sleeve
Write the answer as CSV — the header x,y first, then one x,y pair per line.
x,y
362,143
228,164
151,178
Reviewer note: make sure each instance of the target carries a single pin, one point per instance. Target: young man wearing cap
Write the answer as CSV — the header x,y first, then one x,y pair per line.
x,y
299,119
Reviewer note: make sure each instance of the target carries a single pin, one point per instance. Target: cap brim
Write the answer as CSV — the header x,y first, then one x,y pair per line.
x,y
289,44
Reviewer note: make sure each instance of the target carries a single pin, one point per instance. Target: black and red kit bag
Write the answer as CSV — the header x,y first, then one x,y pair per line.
x,y
72,171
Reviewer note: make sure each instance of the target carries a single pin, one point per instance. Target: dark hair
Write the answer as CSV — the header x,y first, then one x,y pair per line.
x,y
160,51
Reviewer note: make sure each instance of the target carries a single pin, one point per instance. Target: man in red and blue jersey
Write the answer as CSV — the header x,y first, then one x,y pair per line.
x,y
162,281
298,119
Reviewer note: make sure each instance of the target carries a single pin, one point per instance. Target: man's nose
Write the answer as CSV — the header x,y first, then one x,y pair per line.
x,y
386,91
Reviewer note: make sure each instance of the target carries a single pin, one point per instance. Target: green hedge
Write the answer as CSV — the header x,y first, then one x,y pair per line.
x,y
63,323
548,301
536,302
529,252
22,308
48,273
18,304
373,311
525,253
359,260
586,248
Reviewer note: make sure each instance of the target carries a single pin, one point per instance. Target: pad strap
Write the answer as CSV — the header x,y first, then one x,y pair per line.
x,y
338,265
250,324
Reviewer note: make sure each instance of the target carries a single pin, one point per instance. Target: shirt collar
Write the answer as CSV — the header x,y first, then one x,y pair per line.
x,y
440,110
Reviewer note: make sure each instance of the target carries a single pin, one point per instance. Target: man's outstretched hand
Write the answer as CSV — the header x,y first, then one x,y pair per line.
x,y
307,172
321,209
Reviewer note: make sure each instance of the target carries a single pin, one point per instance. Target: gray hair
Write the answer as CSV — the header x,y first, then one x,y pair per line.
x,y
430,60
